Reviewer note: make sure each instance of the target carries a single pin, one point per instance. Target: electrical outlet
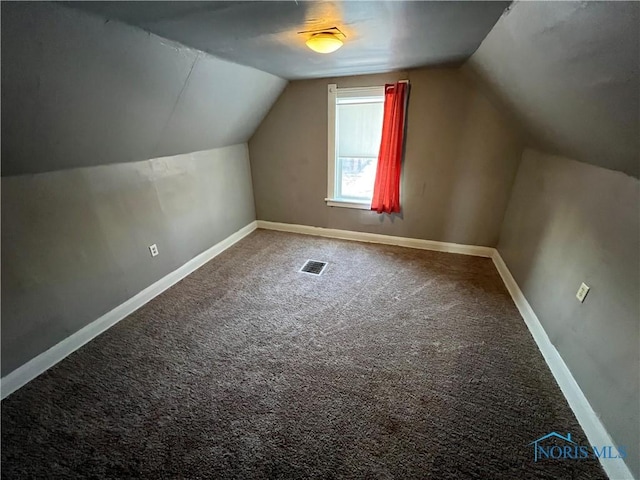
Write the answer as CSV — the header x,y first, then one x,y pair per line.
x,y
582,292
154,250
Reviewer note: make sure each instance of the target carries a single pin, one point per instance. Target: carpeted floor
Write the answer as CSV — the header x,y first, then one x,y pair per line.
x,y
395,363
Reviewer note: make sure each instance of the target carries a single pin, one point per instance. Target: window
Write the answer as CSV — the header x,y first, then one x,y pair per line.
x,y
355,129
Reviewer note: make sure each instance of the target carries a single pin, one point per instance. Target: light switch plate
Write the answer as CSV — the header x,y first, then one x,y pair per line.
x,y
582,292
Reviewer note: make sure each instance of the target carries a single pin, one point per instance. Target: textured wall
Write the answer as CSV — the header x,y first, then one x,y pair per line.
x,y
461,158
75,242
570,71
79,91
570,222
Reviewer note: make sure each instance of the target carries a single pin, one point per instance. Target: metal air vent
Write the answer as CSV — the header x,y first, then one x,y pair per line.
x,y
313,267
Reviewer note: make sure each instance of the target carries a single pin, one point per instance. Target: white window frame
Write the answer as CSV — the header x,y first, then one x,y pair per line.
x,y
332,96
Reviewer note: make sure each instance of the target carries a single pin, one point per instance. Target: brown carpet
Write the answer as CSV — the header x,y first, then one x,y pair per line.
x,y
395,363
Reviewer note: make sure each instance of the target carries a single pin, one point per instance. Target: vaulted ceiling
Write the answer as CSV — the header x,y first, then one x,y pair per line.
x,y
381,36
570,73
79,89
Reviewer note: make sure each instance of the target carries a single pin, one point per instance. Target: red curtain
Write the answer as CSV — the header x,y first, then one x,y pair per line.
x,y
386,190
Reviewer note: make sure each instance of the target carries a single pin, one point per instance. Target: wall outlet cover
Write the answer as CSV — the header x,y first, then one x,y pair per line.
x,y
582,292
153,249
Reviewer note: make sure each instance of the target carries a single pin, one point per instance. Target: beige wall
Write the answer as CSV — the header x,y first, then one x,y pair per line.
x,y
461,159
75,242
567,223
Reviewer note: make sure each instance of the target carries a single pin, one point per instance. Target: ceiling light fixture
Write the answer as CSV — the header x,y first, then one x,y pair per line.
x,y
324,42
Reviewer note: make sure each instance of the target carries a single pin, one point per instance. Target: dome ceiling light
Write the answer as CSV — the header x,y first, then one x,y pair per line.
x,y
325,41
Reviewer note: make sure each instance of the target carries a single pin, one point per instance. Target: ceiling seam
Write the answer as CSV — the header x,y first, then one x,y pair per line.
x,y
175,104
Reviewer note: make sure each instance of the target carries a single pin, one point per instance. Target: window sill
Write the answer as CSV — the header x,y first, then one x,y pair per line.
x,y
331,202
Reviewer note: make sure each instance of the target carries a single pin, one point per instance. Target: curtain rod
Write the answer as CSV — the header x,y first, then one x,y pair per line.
x,y
372,86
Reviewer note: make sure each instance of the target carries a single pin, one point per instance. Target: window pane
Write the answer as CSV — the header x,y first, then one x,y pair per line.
x,y
359,129
356,177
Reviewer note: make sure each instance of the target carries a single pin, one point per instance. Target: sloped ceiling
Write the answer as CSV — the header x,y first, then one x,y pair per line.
x,y
80,91
569,72
381,36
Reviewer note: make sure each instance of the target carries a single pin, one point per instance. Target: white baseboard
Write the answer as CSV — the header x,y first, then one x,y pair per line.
x,y
596,433
475,250
593,428
34,367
